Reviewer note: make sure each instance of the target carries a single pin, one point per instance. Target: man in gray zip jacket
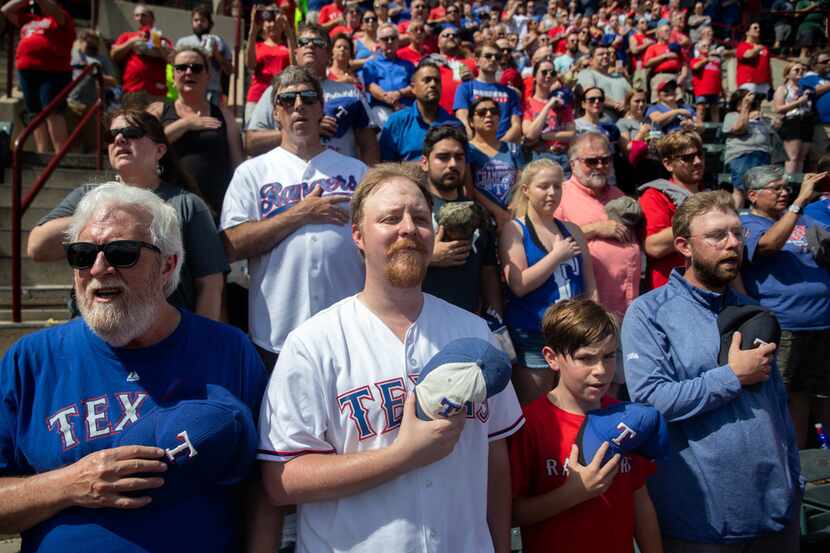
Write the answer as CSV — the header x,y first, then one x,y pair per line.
x,y
732,481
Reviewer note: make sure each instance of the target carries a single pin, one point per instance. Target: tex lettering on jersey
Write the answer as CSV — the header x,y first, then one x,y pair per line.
x,y
95,418
383,402
276,197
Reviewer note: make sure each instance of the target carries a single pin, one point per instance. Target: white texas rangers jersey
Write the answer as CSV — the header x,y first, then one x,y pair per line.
x,y
339,387
313,267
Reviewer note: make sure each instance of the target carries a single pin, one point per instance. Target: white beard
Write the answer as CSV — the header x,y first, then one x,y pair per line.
x,y
124,319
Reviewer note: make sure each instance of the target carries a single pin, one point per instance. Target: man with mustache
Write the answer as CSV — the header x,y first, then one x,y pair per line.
x,y
68,394
728,421
464,272
340,435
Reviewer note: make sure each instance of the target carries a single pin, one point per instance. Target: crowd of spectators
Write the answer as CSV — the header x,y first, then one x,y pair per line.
x,y
638,155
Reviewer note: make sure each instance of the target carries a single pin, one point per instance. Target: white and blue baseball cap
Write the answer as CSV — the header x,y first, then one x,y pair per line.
x,y
465,370
628,428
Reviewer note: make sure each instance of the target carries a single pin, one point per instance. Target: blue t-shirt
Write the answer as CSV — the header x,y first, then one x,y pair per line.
x,y
788,282
389,74
65,393
494,176
822,102
506,98
403,134
673,123
820,211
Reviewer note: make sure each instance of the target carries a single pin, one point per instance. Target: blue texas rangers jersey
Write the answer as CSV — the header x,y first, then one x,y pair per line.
x,y
65,393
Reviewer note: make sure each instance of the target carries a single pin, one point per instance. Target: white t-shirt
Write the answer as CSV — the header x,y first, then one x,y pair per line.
x,y
313,267
339,387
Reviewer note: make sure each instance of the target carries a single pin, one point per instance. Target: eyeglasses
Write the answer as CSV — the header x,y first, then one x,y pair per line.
x,y
195,68
289,99
720,238
121,254
826,60
490,56
450,35
777,189
129,133
593,99
596,161
369,19
691,157
481,112
390,38
305,42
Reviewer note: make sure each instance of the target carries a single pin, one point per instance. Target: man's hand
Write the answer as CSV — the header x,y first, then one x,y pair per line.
x,y
328,126
101,478
421,443
594,479
464,72
611,230
750,365
316,209
449,254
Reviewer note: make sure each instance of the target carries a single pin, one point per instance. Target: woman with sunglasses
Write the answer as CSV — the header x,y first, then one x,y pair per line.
x,y
544,262
795,106
366,42
204,137
493,163
342,52
141,156
548,120
268,57
590,102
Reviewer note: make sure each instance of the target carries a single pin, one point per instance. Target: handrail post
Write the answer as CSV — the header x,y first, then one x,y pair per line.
x,y
17,257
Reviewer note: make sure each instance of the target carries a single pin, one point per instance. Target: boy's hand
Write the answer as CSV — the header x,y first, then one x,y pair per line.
x,y
592,480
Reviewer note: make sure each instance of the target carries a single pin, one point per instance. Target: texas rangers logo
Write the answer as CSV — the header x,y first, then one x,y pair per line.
x,y
186,445
625,434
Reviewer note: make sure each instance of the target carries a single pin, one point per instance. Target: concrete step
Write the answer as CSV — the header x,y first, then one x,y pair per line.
x,y
62,178
30,218
37,314
37,274
6,242
47,198
37,296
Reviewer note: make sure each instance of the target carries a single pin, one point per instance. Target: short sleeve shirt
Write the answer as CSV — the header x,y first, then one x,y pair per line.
x,y
506,98
658,211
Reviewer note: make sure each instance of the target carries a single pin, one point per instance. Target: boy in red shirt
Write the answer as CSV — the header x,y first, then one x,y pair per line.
x,y
706,81
557,501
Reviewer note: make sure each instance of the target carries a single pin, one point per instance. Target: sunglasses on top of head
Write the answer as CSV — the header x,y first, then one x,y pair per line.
x,y
121,254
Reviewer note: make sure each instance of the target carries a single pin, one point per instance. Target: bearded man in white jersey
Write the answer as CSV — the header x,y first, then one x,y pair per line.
x,y
339,436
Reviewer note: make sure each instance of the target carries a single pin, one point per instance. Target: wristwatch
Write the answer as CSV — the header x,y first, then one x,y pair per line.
x,y
794,208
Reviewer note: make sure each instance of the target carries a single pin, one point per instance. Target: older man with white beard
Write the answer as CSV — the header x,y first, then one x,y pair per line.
x,y
338,431
69,392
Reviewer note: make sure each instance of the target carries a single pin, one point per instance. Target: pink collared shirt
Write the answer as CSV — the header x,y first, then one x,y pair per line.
x,y
617,265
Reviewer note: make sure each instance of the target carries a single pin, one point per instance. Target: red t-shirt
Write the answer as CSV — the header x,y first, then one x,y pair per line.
x,y
669,66
44,44
345,29
437,12
706,81
538,464
557,118
329,12
639,39
658,211
449,83
270,61
754,70
141,72
413,55
557,33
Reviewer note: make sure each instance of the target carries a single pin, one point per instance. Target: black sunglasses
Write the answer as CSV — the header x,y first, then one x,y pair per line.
x,y
308,41
596,161
390,38
195,68
289,99
369,19
129,133
121,254
450,35
689,158
595,99
491,56
481,112
546,72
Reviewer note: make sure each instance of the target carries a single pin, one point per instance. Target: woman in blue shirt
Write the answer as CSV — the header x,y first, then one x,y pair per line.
x,y
545,261
494,164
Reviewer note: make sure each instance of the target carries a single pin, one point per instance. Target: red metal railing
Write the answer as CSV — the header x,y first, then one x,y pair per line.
x,y
10,32
19,206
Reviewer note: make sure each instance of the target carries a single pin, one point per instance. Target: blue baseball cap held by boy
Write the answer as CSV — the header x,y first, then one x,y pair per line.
x,y
628,428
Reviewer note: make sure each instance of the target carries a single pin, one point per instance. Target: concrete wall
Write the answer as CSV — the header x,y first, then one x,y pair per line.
x,y
116,17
